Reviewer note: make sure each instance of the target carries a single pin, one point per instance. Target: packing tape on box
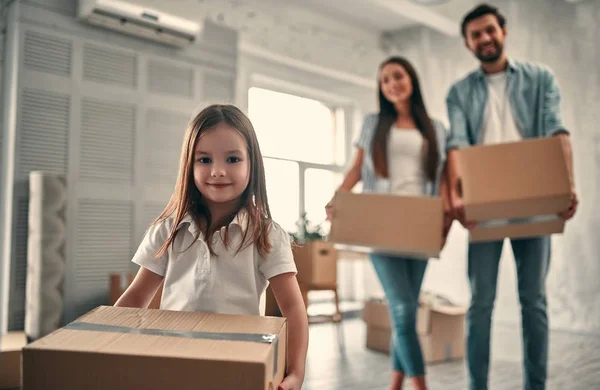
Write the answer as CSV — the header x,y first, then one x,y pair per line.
x,y
517,221
388,252
249,337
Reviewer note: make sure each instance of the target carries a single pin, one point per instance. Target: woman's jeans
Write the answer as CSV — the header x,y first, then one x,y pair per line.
x,y
401,279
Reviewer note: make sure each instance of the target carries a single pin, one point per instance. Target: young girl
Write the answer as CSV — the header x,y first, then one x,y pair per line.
x,y
215,245
401,151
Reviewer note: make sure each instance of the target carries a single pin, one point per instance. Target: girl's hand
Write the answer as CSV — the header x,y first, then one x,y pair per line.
x,y
291,382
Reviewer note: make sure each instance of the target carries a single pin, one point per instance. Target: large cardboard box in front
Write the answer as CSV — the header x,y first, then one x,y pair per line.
x,y
515,189
316,262
10,359
124,348
402,225
440,328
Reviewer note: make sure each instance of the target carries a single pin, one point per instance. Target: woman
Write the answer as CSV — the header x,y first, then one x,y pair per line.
x,y
401,151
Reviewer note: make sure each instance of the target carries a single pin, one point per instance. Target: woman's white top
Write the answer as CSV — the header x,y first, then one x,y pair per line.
x,y
406,156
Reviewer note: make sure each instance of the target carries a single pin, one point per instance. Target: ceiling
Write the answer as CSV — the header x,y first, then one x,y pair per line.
x,y
388,15
375,15
363,13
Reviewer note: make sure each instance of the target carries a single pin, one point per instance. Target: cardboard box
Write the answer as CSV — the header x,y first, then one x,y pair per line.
x,y
119,283
124,348
379,332
10,359
401,225
515,189
379,339
316,262
440,327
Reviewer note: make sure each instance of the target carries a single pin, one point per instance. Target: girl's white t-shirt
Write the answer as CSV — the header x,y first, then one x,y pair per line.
x,y
227,283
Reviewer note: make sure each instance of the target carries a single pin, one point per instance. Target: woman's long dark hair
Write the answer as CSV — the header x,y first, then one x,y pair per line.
x,y
388,116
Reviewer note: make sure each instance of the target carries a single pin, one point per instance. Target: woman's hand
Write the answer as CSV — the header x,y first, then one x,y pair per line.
x,y
329,210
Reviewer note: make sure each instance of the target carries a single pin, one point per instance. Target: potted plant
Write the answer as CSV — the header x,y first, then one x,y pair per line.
x,y
306,231
316,259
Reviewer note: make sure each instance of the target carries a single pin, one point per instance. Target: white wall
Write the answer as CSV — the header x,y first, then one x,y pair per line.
x,y
301,47
300,34
565,37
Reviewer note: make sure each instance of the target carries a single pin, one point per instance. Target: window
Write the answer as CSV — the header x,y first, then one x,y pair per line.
x,y
303,144
319,187
283,192
295,128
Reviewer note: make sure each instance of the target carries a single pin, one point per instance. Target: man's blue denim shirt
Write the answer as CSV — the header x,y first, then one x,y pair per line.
x,y
534,100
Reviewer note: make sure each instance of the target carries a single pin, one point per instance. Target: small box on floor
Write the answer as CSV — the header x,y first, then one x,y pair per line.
x,y
381,223
515,189
124,348
10,359
316,262
119,283
440,326
379,332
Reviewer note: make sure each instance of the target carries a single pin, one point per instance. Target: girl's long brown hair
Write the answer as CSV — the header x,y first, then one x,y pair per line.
x,y
186,198
388,116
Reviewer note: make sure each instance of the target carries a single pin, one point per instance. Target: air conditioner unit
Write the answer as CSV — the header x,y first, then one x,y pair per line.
x,y
140,21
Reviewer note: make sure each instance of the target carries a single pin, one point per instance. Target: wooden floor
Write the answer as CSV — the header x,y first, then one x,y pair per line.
x,y
574,362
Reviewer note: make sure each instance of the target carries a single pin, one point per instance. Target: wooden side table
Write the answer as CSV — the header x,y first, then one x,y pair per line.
x,y
336,316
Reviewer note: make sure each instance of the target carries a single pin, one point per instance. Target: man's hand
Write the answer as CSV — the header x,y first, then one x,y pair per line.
x,y
565,141
457,205
570,212
457,210
291,382
448,219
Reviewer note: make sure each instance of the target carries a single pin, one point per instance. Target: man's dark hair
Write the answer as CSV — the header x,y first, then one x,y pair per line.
x,y
479,11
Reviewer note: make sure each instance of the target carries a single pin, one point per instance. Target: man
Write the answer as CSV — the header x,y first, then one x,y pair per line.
x,y
504,101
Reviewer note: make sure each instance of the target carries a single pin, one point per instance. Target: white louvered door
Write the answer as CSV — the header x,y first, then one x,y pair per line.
x,y
106,152
47,53
112,119
170,79
165,130
108,66
42,139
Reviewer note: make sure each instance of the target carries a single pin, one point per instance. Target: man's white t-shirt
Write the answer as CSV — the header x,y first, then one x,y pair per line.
x,y
227,283
498,125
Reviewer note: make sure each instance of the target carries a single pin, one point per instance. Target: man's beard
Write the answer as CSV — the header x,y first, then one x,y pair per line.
x,y
490,58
